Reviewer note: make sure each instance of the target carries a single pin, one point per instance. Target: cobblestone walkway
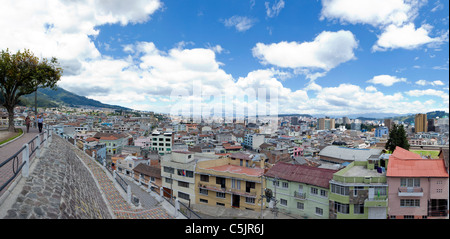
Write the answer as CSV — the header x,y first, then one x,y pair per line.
x,y
60,187
120,206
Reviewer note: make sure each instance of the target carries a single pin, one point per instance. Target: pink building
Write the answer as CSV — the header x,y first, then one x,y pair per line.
x,y
418,188
298,151
142,142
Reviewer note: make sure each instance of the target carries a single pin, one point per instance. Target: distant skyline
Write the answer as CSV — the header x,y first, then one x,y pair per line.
x,y
329,57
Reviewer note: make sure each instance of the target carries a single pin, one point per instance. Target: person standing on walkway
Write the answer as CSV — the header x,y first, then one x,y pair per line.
x,y
40,122
28,122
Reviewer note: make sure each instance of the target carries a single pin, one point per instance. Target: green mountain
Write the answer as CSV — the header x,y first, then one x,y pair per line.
x,y
430,115
47,97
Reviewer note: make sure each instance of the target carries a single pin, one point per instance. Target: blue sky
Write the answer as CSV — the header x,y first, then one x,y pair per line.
x,y
333,57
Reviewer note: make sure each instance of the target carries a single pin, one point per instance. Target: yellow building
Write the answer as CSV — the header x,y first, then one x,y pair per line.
x,y
230,182
420,123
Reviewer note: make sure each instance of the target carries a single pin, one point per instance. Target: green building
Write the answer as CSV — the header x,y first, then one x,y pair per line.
x,y
359,191
299,189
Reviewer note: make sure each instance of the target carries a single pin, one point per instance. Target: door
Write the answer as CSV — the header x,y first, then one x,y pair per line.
x,y
236,199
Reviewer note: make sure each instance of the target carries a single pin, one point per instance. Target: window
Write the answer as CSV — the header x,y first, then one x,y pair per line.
x,y
300,205
220,204
168,180
356,190
338,189
409,203
314,191
323,193
439,190
410,182
204,178
203,200
285,185
169,170
276,183
341,208
250,200
220,195
203,191
183,195
408,217
283,202
319,211
235,184
220,181
183,184
358,209
380,191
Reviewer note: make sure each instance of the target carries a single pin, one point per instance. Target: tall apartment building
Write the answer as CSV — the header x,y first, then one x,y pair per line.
x,y
177,175
325,124
162,142
421,123
388,123
253,141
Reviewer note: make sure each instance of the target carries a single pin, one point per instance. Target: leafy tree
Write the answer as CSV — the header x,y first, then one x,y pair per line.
x,y
397,137
21,74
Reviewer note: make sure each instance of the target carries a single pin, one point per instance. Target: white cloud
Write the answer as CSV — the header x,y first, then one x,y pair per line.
x,y
328,50
241,23
275,9
64,28
386,80
393,17
433,83
430,92
406,36
371,89
375,13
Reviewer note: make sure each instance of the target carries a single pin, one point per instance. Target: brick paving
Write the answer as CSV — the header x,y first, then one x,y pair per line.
x,y
60,187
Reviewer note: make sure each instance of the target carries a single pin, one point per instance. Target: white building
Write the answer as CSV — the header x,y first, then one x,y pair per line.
x,y
253,141
162,142
177,175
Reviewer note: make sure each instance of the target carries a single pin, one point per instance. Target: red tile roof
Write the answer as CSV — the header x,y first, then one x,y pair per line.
x,y
301,173
108,138
403,163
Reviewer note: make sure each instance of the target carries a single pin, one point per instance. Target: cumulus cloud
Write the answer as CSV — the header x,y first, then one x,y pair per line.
x,y
375,13
406,36
393,17
325,52
386,80
241,23
64,28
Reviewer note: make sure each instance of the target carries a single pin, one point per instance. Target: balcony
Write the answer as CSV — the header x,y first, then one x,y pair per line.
x,y
220,188
410,192
300,195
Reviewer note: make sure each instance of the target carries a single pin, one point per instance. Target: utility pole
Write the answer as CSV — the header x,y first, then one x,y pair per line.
x,y
262,196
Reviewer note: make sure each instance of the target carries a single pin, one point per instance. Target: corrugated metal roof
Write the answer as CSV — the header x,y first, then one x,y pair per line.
x,y
349,154
301,173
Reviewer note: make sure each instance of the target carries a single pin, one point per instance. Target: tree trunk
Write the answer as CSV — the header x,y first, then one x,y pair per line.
x,y
10,119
